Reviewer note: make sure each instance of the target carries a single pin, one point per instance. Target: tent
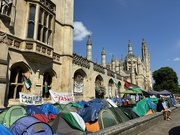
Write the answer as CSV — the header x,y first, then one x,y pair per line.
x,y
129,112
107,117
91,110
49,108
4,130
70,107
9,116
164,92
33,110
69,123
153,92
144,105
29,125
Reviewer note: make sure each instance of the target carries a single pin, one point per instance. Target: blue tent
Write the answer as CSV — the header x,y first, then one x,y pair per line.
x,y
90,111
49,108
4,130
29,125
32,109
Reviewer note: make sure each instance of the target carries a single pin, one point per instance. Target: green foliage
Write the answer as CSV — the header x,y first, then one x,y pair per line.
x,y
165,79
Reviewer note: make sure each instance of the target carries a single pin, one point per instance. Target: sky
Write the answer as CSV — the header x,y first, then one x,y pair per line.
x,y
112,23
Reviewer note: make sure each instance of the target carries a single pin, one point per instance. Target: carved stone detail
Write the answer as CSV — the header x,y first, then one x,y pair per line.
x,y
29,46
16,44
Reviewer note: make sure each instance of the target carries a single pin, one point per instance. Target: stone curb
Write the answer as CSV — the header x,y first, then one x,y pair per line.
x,y
135,126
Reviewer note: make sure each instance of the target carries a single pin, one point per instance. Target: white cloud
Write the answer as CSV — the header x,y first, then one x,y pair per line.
x,y
176,59
80,31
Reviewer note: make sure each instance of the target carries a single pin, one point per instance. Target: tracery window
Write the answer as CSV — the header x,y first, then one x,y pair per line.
x,y
16,83
44,28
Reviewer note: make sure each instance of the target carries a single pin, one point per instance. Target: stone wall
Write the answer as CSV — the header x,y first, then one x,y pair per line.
x,y
135,126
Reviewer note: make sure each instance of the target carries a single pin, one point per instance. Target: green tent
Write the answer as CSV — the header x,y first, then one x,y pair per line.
x,y
69,123
9,116
70,107
107,119
143,106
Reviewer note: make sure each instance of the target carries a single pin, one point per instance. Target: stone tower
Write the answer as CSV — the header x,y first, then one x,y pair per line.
x,y
103,58
89,49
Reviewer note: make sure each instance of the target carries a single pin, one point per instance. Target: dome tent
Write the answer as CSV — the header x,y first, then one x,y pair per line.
x,y
29,125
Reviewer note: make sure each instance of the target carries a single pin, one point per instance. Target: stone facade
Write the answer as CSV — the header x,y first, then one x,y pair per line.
x,y
36,42
132,69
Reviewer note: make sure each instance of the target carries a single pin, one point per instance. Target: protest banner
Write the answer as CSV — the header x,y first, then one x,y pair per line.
x,y
61,97
30,99
78,87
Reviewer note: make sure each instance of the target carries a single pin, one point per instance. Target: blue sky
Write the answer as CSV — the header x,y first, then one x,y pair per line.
x,y
111,23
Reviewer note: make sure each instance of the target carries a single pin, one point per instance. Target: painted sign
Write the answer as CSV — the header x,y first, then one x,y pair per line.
x,y
30,99
61,97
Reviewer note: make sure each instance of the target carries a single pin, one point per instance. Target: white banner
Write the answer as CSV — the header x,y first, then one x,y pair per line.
x,y
61,97
30,99
78,87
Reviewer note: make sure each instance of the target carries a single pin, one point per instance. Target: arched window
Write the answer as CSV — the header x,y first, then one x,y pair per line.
x,y
78,83
16,82
44,26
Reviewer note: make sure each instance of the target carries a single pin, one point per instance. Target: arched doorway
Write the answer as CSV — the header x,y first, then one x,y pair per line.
x,y
100,90
48,79
110,88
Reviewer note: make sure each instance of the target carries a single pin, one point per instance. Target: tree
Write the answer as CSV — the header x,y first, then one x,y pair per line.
x,y
166,79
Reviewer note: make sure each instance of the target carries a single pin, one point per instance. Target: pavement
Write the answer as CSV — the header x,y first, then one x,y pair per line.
x,y
164,127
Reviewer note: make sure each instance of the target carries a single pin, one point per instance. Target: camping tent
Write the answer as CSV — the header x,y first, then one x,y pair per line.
x,y
29,125
33,110
144,105
4,130
68,123
9,116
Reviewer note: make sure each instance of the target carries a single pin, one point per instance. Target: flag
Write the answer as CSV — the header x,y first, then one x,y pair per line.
x,y
126,84
46,87
115,83
27,82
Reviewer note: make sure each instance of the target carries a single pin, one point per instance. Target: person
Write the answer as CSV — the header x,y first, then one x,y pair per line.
x,y
162,107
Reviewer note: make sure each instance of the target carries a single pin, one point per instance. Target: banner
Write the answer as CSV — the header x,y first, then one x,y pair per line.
x,y
61,97
78,87
30,99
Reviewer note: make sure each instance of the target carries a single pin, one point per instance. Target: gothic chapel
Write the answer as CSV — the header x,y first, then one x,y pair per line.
x,y
36,43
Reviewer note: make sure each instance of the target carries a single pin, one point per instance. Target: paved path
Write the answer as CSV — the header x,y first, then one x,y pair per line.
x,y
171,127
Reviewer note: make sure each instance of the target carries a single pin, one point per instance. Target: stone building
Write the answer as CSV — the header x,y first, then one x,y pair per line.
x,y
36,42
112,76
